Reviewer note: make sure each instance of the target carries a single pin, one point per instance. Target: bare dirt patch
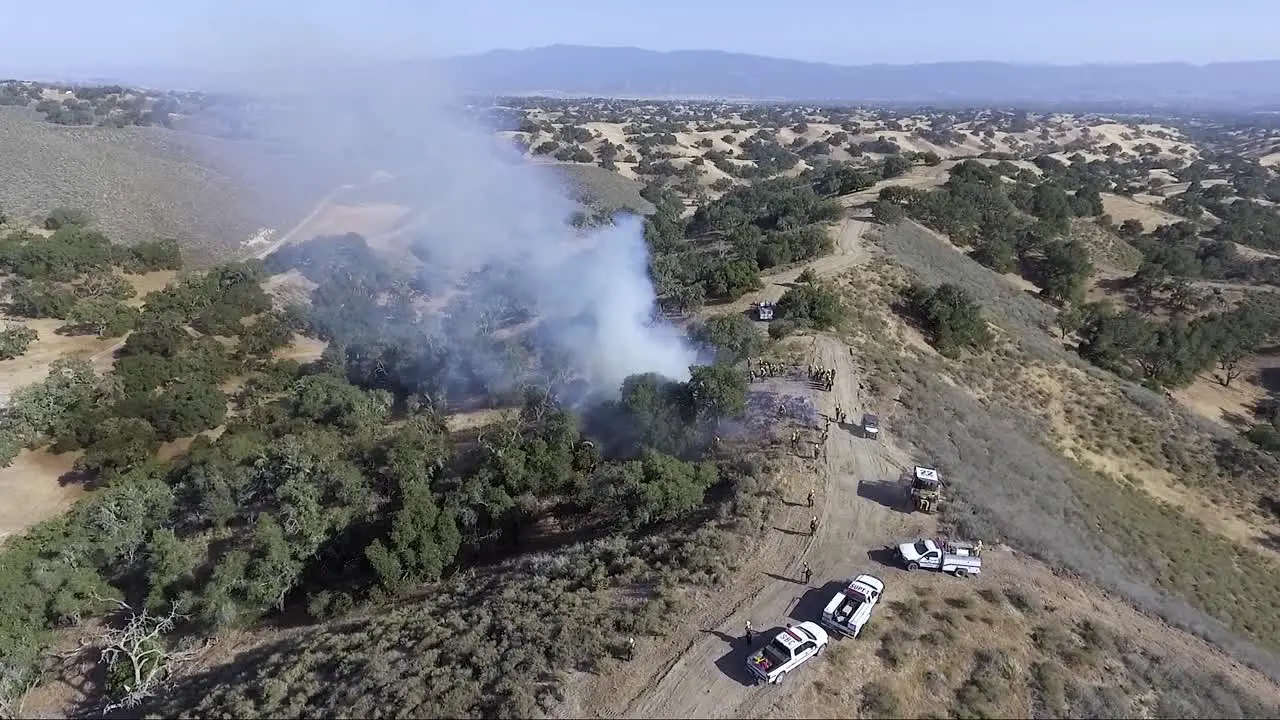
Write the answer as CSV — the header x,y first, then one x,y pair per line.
x,y
148,283
1122,208
1233,406
289,288
459,422
303,349
32,489
33,366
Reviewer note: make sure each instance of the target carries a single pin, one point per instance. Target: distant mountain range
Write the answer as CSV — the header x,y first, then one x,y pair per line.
x,y
571,70
631,72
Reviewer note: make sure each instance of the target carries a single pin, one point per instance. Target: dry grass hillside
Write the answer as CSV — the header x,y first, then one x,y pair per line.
x,y
714,147
1060,459
142,183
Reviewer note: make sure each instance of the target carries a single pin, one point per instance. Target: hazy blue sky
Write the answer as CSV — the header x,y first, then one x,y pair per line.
x,y
56,35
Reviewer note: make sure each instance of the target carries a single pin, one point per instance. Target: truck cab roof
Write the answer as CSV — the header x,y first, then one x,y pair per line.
x,y
795,636
862,583
856,594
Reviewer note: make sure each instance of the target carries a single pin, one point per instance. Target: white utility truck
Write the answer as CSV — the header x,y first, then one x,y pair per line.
x,y
957,557
786,652
851,608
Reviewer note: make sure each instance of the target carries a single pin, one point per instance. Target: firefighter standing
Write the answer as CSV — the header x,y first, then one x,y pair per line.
x,y
751,634
807,572
631,648
813,525
810,498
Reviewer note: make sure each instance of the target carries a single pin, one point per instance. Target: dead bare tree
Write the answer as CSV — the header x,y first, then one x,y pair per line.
x,y
136,654
15,683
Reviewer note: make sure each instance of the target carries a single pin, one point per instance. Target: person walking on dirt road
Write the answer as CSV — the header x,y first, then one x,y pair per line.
x,y
807,573
631,648
811,498
750,634
813,525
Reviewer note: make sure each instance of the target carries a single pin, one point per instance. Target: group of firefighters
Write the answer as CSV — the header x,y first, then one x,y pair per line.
x,y
765,369
820,446
822,377
842,417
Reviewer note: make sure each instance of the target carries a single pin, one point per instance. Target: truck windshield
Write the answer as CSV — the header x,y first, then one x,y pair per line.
x,y
921,548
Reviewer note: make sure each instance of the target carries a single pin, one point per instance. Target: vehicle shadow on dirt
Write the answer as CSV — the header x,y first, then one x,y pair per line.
x,y
814,601
734,662
887,494
885,557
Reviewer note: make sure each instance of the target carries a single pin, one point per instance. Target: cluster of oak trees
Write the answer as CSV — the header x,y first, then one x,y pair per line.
x,y
329,484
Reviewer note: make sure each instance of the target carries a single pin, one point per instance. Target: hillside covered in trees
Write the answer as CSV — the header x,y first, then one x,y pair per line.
x,y
435,515
314,490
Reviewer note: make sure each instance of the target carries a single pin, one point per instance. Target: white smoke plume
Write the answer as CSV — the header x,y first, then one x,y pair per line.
x,y
482,206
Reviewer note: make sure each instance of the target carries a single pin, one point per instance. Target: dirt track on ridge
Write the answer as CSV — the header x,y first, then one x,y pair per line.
x,y
698,669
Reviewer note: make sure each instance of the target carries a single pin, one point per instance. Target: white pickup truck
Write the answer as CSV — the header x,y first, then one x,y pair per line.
x,y
786,652
851,608
959,558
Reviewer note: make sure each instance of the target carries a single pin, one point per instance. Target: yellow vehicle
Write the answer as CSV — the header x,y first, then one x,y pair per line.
x,y
926,489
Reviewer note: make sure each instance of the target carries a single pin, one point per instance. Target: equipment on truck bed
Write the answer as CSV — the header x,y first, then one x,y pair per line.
x,y
764,311
786,652
958,557
850,609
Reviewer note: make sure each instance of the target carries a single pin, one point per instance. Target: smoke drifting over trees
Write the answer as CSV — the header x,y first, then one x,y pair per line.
x,y
517,295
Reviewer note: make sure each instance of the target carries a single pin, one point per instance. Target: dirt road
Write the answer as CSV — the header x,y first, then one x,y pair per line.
x,y
848,251
921,177
709,679
699,668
